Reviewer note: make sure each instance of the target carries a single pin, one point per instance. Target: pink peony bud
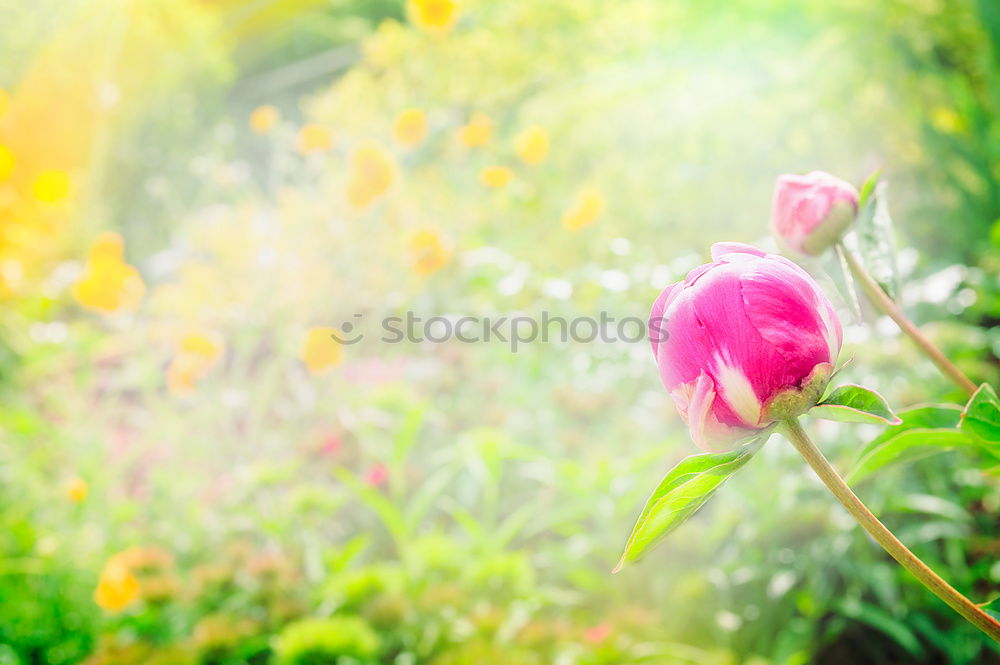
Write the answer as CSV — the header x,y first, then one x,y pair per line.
x,y
810,212
743,342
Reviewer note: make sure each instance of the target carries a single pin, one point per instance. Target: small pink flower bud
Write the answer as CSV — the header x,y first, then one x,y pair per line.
x,y
811,212
743,342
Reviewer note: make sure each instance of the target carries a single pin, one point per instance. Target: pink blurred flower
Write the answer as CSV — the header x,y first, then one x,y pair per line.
x,y
810,212
377,476
332,444
743,342
597,634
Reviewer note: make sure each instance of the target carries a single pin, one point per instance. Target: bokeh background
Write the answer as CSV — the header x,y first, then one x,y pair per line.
x,y
195,193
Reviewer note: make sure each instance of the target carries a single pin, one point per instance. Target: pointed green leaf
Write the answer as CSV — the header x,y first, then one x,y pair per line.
x,y
855,404
875,240
868,188
981,417
682,492
924,431
992,608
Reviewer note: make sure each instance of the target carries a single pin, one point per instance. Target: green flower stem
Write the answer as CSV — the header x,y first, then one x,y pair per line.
x,y
881,299
792,429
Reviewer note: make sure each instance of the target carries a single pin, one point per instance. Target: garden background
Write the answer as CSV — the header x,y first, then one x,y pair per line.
x,y
195,194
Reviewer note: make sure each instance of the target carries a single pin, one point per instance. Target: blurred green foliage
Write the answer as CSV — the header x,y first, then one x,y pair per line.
x,y
464,503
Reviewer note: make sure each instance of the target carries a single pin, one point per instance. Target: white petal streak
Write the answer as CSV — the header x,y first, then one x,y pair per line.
x,y
735,388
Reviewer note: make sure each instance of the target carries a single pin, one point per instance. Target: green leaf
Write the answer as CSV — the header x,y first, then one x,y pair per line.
x,y
868,188
875,240
992,608
855,404
981,417
682,492
924,431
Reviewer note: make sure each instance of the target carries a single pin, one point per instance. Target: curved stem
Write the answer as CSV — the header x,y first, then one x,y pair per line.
x,y
888,307
793,430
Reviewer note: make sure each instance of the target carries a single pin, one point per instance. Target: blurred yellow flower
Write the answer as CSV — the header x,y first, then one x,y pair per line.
x,y
117,587
6,162
946,120
478,130
320,351
434,16
372,173
411,127
197,353
532,145
76,490
585,210
51,186
430,250
108,284
495,176
206,343
264,119
4,103
120,585
313,138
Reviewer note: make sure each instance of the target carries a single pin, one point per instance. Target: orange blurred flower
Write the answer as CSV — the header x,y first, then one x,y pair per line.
x,y
6,162
495,176
532,145
372,173
4,103
76,490
430,250
51,186
108,283
585,210
411,127
434,16
313,138
264,119
478,130
320,351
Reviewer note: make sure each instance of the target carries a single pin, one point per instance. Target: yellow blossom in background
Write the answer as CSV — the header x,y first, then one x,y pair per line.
x,y
320,351
76,490
4,103
372,173
410,127
478,130
6,162
532,145
264,119
430,250
117,587
434,16
197,353
108,284
585,210
126,575
946,120
495,176
313,138
51,186
207,343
